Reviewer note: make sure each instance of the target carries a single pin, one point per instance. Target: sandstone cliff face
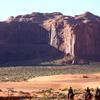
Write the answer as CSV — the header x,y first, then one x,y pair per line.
x,y
21,41
87,36
62,35
77,36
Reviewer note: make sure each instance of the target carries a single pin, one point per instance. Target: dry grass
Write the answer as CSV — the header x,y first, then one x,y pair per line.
x,y
50,94
22,73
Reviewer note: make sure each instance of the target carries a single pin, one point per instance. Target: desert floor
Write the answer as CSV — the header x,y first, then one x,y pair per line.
x,y
77,81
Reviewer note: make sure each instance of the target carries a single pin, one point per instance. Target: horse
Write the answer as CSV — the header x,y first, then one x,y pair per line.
x,y
70,96
88,96
97,95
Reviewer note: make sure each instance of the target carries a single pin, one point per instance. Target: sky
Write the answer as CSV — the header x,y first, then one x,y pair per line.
x,y
67,7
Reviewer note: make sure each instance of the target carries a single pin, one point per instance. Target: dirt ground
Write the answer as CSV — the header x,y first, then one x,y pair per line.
x,y
77,81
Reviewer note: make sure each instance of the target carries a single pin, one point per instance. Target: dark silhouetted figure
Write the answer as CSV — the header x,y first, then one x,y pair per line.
x,y
70,94
88,94
97,95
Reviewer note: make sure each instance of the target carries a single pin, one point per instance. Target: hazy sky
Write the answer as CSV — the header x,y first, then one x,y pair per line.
x,y
67,7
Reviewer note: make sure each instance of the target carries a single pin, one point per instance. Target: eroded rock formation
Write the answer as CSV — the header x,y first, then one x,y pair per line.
x,y
77,36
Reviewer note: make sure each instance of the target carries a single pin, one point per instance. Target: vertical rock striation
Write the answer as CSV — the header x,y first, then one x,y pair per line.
x,y
77,36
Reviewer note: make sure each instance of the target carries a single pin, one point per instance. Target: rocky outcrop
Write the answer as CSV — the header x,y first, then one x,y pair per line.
x,y
23,33
87,36
77,36
21,41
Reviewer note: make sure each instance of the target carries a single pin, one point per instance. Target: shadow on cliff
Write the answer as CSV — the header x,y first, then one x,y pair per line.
x,y
25,44
30,55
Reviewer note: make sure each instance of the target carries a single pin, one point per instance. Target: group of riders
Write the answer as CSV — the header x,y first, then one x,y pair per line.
x,y
87,95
